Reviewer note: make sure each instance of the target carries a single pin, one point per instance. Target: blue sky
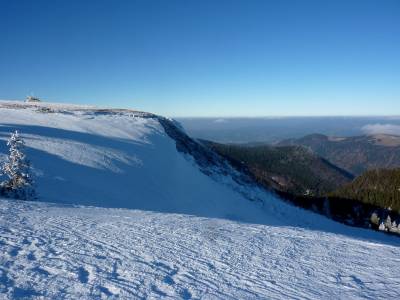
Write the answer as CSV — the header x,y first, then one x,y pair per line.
x,y
205,58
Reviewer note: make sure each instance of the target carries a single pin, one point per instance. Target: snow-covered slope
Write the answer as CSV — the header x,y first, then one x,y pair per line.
x,y
119,158
62,252
183,224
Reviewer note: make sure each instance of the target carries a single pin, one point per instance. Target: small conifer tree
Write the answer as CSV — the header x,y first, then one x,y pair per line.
x,y
19,184
388,222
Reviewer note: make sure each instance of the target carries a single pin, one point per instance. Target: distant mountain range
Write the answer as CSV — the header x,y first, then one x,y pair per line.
x,y
353,154
276,129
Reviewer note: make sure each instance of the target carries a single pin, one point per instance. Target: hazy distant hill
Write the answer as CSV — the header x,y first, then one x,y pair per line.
x,y
377,187
291,169
354,154
276,129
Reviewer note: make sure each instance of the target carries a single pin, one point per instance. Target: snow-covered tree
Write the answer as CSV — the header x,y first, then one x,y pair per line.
x,y
374,218
19,184
388,222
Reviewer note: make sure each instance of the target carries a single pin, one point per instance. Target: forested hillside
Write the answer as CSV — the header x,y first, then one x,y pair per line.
x,y
291,169
377,187
354,154
304,179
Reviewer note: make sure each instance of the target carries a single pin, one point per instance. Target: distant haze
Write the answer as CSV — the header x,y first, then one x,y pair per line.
x,y
270,130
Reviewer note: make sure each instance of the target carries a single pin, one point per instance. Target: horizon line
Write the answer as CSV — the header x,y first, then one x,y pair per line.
x,y
221,116
285,116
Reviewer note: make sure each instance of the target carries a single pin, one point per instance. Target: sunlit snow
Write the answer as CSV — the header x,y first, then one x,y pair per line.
x,y
165,229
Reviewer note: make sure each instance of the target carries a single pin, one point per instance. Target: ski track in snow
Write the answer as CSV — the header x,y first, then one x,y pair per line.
x,y
63,252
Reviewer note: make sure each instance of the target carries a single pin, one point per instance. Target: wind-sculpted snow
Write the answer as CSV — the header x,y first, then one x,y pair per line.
x,y
63,252
82,153
124,158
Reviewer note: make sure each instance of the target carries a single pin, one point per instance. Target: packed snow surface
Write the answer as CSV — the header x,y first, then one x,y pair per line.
x,y
63,252
131,217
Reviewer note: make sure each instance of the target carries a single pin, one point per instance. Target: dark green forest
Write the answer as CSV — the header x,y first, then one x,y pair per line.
x,y
291,169
377,187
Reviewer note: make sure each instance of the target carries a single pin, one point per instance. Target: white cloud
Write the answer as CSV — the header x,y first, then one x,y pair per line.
x,y
381,128
220,121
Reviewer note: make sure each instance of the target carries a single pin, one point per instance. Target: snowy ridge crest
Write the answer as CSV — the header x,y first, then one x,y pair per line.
x,y
103,157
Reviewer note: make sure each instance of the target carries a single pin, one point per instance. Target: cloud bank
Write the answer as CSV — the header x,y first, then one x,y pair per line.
x,y
381,129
